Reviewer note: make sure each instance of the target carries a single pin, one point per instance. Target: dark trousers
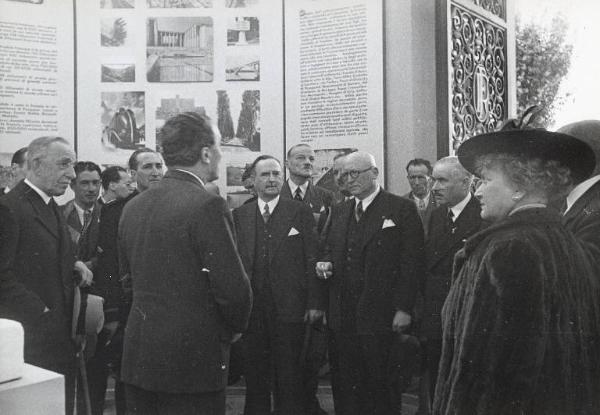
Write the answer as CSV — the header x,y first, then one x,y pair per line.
x,y
360,374
433,354
144,402
271,351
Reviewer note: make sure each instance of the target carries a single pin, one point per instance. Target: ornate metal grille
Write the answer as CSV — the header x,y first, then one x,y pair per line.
x,y
478,77
497,7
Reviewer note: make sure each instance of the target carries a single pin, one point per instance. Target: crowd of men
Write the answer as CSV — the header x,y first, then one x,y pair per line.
x,y
296,276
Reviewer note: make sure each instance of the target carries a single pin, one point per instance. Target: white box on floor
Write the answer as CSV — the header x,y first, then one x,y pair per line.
x,y
37,392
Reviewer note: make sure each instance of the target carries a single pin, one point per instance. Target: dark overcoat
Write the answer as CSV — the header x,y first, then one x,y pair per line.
x,y
190,291
292,256
441,245
392,259
583,219
425,215
36,260
516,323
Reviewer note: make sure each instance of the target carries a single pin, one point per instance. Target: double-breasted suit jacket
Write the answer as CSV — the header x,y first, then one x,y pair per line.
x,y
85,245
190,291
441,246
583,219
36,260
391,261
292,256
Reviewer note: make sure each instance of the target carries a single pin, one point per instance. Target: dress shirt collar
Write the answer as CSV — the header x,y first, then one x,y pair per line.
x,y
425,199
81,211
579,190
460,206
191,174
6,190
294,186
369,199
272,205
39,191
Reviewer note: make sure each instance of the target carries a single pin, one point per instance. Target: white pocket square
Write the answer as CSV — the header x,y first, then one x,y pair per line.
x,y
388,223
293,232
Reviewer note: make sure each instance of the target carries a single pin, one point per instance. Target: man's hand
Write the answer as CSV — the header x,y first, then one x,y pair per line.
x,y
324,270
401,321
313,316
85,274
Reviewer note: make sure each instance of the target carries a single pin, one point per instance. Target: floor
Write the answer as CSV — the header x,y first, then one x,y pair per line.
x,y
235,400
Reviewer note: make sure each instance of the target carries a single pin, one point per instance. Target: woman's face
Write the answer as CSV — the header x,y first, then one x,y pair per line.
x,y
495,194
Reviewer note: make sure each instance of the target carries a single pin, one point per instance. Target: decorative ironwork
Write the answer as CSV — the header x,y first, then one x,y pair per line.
x,y
478,75
496,7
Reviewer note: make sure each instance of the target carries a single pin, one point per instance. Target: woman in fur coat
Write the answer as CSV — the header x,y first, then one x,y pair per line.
x,y
521,317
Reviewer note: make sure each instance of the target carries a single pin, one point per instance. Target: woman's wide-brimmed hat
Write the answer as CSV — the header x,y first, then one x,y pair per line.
x,y
531,144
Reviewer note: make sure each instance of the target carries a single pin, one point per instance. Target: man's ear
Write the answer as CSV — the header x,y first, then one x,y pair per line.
x,y
205,155
133,174
375,171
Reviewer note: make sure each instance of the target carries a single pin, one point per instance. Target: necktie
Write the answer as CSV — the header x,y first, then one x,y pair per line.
x,y
421,204
87,218
451,220
298,194
359,211
266,214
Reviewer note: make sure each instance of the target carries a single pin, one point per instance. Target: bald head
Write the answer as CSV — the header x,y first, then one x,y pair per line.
x,y
589,132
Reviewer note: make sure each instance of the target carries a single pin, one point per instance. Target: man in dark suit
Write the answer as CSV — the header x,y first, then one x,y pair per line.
x,y
277,242
373,257
582,208
456,218
37,260
298,186
419,177
191,296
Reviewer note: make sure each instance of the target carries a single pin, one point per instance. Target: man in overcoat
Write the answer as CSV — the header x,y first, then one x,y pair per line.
x,y
278,244
373,258
191,295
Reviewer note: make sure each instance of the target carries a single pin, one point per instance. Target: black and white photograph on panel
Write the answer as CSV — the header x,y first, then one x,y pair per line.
x,y
237,188
238,118
117,72
241,3
171,106
171,4
123,120
243,31
117,4
179,49
322,172
242,66
116,32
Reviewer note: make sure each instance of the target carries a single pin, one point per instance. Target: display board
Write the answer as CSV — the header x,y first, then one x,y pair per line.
x,y
36,72
334,78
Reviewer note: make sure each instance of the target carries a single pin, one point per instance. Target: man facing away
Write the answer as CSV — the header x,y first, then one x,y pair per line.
x,y
37,260
373,256
419,177
277,242
191,295
456,218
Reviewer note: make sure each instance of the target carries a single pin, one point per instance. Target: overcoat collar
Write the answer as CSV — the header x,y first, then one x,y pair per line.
x,y
582,202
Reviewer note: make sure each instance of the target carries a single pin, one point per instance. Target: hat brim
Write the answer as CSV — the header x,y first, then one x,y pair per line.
x,y
530,144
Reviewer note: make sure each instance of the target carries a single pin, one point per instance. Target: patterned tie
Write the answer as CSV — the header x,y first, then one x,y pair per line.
x,y
87,218
451,221
298,194
421,204
359,211
266,213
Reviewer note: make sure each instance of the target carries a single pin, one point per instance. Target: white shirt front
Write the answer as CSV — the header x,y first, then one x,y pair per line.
x,y
293,186
272,205
369,199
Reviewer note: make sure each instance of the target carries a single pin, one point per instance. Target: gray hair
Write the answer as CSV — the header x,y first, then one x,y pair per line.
x,y
38,148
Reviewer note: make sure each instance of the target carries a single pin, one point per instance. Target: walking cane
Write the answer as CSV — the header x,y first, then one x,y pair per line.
x,y
84,381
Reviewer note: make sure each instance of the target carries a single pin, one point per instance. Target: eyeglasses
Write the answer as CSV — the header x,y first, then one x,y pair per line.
x,y
353,173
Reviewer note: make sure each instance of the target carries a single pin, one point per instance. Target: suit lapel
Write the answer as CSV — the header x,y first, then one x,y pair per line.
x,y
43,215
247,222
582,202
468,219
375,215
280,225
286,193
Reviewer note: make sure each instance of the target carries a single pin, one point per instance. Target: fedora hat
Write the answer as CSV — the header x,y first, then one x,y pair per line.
x,y
88,313
531,144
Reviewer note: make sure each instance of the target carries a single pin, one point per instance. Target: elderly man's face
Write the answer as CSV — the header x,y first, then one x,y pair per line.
x,y
54,171
449,187
359,176
268,179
